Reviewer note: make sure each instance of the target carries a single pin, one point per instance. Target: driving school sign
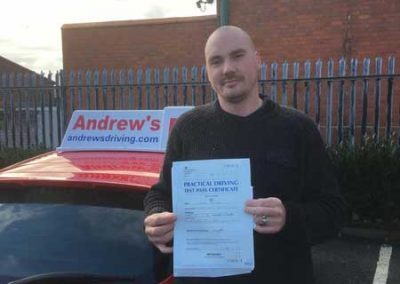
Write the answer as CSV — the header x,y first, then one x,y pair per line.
x,y
120,130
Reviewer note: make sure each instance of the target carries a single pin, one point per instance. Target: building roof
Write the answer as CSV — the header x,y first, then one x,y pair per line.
x,y
7,67
143,22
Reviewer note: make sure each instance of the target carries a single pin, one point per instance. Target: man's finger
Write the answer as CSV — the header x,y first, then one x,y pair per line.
x,y
161,239
159,219
268,202
260,211
164,248
158,230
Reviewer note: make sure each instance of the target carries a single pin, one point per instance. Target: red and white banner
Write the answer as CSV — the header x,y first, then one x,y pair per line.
x,y
120,130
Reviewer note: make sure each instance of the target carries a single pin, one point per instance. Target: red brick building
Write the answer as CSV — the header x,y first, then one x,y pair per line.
x,y
134,44
283,30
293,30
8,66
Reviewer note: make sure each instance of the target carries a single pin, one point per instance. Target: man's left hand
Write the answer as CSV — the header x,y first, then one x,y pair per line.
x,y
269,214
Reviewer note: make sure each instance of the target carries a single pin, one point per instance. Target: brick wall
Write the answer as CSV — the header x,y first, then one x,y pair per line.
x,y
292,30
296,30
136,44
7,66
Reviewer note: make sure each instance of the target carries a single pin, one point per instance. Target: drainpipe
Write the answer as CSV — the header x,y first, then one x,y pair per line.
x,y
224,13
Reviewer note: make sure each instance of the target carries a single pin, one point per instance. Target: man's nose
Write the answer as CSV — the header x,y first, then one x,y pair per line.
x,y
229,66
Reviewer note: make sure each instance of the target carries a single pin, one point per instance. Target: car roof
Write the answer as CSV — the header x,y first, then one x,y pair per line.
x,y
119,169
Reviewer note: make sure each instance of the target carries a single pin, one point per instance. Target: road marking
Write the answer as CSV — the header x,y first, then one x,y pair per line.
x,y
382,267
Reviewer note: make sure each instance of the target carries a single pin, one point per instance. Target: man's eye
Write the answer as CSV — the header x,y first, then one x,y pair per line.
x,y
215,62
238,55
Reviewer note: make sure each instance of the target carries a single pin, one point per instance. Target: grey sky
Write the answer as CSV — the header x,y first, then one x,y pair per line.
x,y
30,32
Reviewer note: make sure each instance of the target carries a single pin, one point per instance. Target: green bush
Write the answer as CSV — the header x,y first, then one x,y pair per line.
x,y
9,156
369,176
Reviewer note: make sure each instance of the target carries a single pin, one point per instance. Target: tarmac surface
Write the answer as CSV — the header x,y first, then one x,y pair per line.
x,y
358,257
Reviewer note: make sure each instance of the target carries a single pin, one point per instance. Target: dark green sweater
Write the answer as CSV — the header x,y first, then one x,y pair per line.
x,y
288,161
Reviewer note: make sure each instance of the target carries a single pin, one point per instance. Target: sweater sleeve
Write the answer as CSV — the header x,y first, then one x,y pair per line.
x,y
159,199
321,211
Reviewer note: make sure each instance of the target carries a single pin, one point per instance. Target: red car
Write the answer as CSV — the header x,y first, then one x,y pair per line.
x,y
77,217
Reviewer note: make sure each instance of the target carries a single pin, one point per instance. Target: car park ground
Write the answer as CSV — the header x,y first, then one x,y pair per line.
x,y
354,258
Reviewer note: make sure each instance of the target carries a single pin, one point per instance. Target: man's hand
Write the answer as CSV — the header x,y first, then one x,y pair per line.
x,y
269,214
159,228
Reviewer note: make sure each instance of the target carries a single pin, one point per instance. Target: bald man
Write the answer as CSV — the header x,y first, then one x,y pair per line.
x,y
296,198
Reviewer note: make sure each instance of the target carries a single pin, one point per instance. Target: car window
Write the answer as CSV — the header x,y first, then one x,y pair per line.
x,y
49,237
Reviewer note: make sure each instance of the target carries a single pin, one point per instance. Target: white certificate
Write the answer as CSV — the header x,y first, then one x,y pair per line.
x,y
213,236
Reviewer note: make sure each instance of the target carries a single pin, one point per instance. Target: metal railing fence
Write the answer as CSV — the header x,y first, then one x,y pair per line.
x,y
347,101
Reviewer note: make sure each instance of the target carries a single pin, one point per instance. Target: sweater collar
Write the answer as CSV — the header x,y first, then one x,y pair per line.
x,y
267,107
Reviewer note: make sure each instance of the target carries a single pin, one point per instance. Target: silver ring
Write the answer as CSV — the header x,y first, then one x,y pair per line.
x,y
264,220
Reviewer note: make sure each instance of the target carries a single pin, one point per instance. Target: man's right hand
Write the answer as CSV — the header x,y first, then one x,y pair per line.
x,y
159,228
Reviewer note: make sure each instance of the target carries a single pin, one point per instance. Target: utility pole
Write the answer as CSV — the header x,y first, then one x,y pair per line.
x,y
224,13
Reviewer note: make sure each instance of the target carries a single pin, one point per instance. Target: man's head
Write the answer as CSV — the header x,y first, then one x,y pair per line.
x,y
232,64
